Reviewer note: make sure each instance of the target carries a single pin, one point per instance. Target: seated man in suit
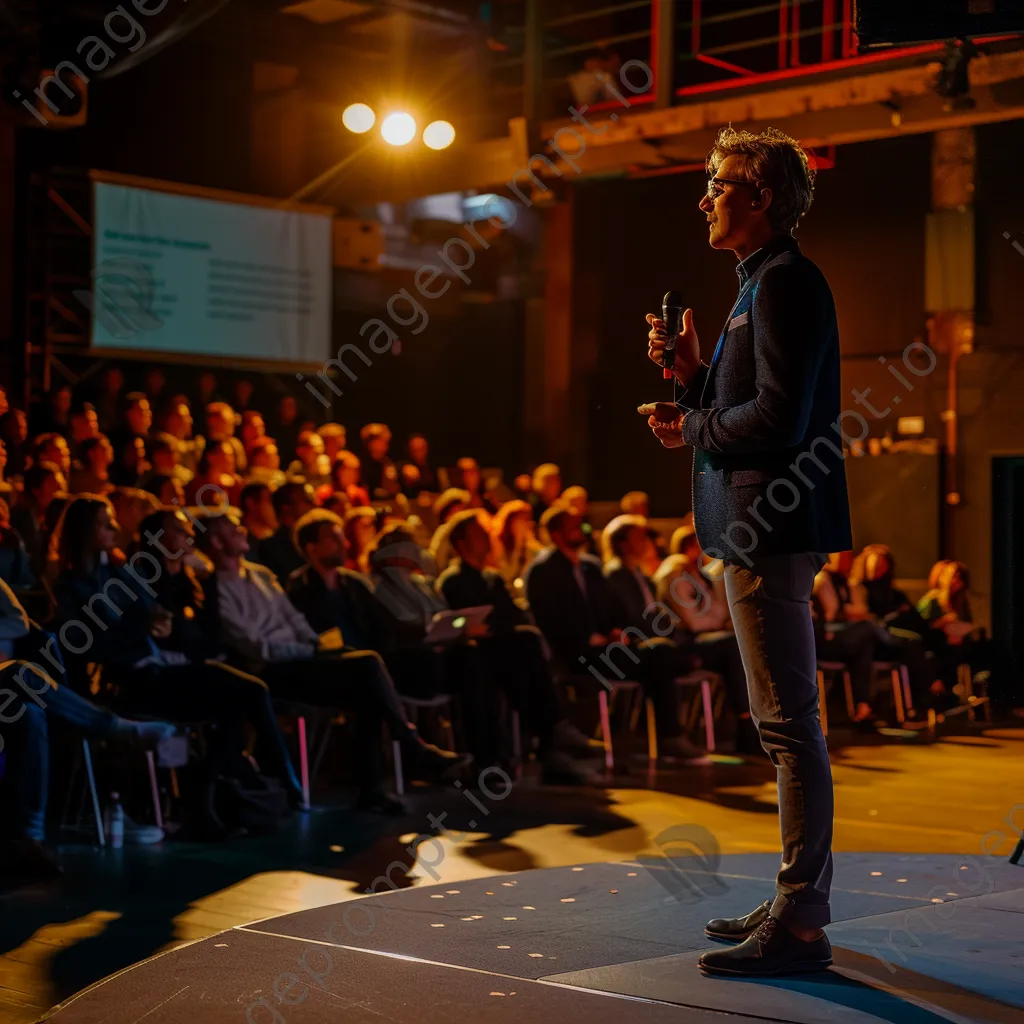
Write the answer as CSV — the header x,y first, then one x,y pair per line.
x,y
575,610
625,547
333,597
513,648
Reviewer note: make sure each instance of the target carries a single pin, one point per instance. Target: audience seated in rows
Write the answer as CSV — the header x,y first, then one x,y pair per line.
x,y
576,611
266,634
318,585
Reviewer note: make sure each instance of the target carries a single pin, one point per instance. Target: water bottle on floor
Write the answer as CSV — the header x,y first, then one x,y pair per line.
x,y
114,824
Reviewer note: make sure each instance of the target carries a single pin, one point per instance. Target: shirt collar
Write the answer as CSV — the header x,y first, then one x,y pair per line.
x,y
752,264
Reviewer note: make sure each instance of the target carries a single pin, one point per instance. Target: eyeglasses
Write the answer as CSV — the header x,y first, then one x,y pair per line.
x,y
715,188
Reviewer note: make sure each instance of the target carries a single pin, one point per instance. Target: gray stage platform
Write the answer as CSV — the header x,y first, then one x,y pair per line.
x,y
597,943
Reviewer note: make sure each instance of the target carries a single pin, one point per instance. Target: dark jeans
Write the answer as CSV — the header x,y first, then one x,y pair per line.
x,y
770,604
359,682
26,738
25,783
214,692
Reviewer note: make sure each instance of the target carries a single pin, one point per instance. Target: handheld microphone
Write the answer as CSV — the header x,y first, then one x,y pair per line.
x,y
672,315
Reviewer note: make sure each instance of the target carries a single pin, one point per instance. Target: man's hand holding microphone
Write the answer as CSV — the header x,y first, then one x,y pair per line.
x,y
664,418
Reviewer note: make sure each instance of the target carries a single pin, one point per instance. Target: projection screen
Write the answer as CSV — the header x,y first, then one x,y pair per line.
x,y
188,275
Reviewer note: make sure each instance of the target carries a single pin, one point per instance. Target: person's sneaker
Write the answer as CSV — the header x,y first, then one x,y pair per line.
x,y
559,769
432,764
566,737
27,860
680,748
378,802
141,835
736,929
772,950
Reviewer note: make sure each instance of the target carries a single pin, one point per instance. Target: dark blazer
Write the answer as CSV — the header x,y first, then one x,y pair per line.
x,y
628,596
564,615
353,608
278,553
764,417
462,586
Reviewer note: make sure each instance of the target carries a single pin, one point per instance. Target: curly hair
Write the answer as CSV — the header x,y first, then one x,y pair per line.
x,y
773,160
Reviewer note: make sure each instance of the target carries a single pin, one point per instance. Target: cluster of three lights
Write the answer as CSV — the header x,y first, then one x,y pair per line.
x,y
398,128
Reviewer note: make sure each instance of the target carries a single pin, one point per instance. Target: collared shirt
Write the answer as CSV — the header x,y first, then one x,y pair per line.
x,y
746,269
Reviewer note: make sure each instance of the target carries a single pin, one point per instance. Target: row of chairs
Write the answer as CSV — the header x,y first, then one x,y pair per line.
x,y
903,701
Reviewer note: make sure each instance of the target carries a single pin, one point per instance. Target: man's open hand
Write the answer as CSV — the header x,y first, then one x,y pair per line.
x,y
666,421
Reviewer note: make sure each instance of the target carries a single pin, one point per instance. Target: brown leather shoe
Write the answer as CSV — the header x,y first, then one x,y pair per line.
x,y
736,929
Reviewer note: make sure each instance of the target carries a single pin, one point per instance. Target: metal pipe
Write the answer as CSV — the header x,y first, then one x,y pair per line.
x,y
723,64
828,39
794,59
800,72
783,28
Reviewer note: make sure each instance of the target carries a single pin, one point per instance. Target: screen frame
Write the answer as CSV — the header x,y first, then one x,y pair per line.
x,y
99,177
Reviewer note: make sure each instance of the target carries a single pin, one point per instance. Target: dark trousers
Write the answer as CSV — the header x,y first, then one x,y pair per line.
x,y
719,652
26,739
215,692
770,604
359,682
24,785
518,665
910,649
854,644
461,671
654,664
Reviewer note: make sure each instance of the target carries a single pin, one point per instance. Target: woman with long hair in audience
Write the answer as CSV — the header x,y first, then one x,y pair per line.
x,y
345,477
875,569
515,540
152,635
905,636
947,611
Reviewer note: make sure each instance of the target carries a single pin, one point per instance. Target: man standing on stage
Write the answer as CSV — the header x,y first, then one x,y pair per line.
x,y
769,497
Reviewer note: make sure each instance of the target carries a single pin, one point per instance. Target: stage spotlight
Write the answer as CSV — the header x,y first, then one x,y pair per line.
x,y
398,129
358,118
439,134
